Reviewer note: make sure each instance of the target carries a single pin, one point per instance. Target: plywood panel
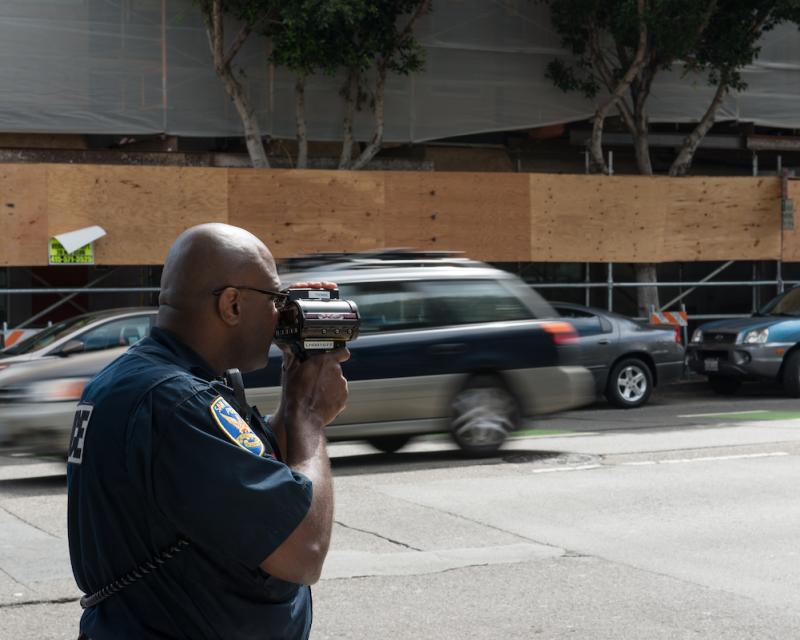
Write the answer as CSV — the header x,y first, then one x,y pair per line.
x,y
143,209
791,239
23,215
489,216
310,211
485,215
596,218
723,219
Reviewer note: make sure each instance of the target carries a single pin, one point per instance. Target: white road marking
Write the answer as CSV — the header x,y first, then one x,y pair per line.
x,y
722,413
583,467
645,463
774,454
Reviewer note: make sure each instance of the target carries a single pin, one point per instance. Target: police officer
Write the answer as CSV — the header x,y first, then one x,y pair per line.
x,y
197,523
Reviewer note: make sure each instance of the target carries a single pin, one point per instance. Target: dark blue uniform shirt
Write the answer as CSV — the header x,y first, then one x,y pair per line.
x,y
154,457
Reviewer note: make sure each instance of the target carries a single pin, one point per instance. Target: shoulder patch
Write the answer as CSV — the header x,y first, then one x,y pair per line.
x,y
235,427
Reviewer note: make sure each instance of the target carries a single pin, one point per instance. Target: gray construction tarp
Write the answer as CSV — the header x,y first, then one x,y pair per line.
x,y
138,67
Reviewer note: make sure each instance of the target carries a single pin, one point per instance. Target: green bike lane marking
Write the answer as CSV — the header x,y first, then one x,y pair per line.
x,y
527,433
750,416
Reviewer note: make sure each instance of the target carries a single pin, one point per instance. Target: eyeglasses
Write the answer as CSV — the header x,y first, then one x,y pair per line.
x,y
279,299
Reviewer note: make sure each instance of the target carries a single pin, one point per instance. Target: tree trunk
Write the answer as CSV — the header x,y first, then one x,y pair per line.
x,y
215,30
300,114
641,122
683,162
350,98
377,137
642,149
252,130
597,163
646,296
617,89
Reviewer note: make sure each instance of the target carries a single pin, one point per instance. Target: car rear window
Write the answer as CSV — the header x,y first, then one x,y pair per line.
x,y
389,306
585,323
473,301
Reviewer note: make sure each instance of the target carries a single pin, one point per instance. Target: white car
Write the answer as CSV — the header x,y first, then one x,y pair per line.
x,y
42,378
94,331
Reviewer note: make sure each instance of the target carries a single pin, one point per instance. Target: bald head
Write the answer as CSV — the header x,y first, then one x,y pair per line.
x,y
207,258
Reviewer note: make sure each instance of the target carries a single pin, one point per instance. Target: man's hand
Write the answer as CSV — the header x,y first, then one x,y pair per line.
x,y
314,390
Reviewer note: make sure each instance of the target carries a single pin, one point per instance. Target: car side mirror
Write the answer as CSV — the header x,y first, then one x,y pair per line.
x,y
72,346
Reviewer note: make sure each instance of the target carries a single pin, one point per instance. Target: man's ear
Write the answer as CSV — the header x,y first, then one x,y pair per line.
x,y
228,306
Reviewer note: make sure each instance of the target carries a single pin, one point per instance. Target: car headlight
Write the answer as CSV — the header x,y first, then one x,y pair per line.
x,y
757,336
59,390
697,336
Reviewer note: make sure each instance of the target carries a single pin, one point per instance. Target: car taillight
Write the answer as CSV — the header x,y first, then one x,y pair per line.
x,y
678,335
561,332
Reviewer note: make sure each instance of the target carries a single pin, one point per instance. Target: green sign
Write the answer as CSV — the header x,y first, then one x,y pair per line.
x,y
58,254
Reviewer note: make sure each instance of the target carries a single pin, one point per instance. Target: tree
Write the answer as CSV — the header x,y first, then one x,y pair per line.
x,y
354,38
620,46
728,44
251,16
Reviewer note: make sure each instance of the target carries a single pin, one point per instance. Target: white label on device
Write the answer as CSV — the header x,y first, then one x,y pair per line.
x,y
318,294
318,344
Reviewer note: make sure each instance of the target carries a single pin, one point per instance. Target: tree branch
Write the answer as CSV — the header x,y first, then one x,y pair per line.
x,y
238,41
374,146
218,35
683,162
596,147
421,8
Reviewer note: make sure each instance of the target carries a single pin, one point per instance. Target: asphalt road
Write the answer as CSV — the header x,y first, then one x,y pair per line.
x,y
678,520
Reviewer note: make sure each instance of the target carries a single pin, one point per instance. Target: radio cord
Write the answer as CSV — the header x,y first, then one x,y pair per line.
x,y
138,573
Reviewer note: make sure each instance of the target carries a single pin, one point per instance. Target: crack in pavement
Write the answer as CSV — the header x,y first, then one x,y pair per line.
x,y
431,573
13,579
26,603
377,535
478,522
30,524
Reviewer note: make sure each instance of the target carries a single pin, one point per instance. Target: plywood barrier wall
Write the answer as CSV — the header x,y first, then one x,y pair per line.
x,y
489,216
791,239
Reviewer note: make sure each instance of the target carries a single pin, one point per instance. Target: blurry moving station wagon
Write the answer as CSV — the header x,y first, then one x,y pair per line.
x,y
447,345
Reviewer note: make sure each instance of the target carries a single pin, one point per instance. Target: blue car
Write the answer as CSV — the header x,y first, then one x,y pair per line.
x,y
765,346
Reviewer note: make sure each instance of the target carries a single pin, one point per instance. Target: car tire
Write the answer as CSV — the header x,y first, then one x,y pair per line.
x,y
791,375
629,384
724,385
389,444
483,413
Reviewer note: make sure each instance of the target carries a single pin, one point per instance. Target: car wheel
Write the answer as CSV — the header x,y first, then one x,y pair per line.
x,y
724,385
630,384
791,375
483,414
389,444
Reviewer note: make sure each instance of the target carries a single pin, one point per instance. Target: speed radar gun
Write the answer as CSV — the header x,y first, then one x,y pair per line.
x,y
315,321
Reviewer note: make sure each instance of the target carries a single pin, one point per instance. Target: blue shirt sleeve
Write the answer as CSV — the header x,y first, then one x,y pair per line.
x,y
215,492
